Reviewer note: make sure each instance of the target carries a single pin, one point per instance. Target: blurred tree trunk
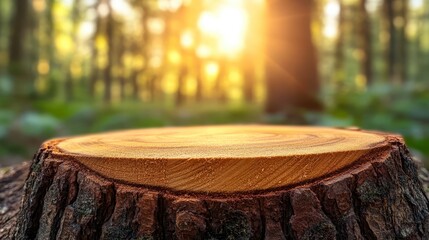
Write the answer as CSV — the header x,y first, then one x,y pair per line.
x,y
291,68
365,38
339,46
389,15
108,68
68,84
33,50
122,67
248,77
248,58
50,30
183,17
18,66
198,62
422,65
180,95
403,40
219,88
199,76
396,17
144,51
152,86
135,84
94,54
50,45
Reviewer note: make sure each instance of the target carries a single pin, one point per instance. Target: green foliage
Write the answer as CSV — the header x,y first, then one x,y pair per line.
x,y
59,108
385,107
38,125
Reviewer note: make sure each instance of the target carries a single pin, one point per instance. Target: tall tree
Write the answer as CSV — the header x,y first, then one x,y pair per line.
x,y
181,78
396,18
182,15
110,45
248,56
199,72
94,75
291,68
221,80
339,45
198,62
19,32
403,40
122,67
69,81
365,41
389,17
50,47
248,78
143,50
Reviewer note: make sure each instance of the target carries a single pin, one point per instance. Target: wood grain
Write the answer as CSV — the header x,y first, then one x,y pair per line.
x,y
220,159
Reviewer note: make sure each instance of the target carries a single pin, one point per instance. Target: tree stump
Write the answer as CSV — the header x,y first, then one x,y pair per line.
x,y
11,191
224,182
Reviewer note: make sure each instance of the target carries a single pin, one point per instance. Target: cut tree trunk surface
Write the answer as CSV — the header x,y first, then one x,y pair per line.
x,y
225,182
220,159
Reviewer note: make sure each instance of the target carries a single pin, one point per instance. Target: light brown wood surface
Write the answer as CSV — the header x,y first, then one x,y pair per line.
x,y
220,159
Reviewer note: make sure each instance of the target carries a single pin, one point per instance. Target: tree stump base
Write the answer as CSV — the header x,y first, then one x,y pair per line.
x,y
228,182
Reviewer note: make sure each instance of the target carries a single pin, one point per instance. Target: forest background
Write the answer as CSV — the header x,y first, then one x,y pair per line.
x,y
71,67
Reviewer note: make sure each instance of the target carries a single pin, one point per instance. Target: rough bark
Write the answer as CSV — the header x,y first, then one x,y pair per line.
x,y
381,198
11,192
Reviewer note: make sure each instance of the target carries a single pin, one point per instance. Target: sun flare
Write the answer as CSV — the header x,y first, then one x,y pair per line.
x,y
228,25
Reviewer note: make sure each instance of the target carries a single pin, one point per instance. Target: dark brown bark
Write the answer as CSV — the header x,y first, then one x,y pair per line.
x,y
291,68
382,198
11,192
